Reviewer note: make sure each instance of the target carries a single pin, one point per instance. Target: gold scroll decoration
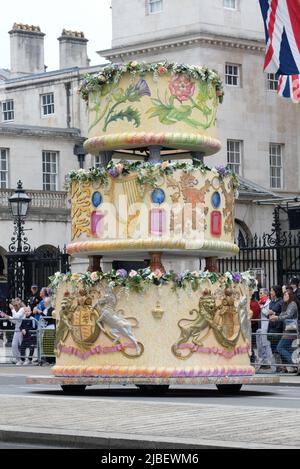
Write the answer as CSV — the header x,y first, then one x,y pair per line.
x,y
229,207
81,209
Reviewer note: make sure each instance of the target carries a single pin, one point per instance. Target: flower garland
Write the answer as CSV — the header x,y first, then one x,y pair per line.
x,y
138,281
113,73
148,173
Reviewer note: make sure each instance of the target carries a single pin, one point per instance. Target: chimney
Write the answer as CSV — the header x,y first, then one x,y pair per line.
x,y
72,50
26,49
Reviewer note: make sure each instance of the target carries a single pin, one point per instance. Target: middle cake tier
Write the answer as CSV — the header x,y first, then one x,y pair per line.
x,y
170,207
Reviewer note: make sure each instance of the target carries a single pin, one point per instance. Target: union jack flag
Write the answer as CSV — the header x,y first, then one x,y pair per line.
x,y
289,87
282,29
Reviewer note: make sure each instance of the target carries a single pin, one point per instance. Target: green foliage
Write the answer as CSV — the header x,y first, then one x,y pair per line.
x,y
148,173
138,281
111,74
132,115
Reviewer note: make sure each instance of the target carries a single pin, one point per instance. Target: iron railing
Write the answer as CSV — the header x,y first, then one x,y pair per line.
x,y
275,260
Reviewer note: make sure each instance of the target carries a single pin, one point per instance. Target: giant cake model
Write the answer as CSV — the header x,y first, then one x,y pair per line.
x,y
153,201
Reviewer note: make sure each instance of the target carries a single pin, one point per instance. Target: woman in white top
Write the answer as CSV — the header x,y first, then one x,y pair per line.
x,y
264,350
18,313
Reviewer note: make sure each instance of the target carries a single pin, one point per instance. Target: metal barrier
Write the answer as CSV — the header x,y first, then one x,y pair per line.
x,y
46,345
37,348
275,352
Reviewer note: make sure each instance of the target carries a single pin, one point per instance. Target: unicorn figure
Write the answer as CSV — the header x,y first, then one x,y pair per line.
x,y
110,317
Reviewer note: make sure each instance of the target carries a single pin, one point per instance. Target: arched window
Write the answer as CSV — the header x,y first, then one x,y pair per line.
x,y
47,251
3,262
242,234
2,266
45,262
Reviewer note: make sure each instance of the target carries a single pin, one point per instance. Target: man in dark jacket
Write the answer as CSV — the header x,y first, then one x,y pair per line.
x,y
34,298
294,283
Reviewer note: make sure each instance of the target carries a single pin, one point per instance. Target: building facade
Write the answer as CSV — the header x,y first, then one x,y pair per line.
x,y
43,124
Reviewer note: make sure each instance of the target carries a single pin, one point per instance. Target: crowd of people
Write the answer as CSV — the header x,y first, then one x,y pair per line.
x,y
275,327
27,320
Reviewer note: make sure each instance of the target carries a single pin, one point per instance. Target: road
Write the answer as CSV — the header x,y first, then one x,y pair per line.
x,y
276,396
24,446
123,417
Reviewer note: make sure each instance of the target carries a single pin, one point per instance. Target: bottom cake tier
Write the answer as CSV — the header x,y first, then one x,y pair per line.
x,y
153,325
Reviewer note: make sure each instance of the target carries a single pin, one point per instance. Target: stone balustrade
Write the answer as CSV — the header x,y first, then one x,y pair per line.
x,y
39,199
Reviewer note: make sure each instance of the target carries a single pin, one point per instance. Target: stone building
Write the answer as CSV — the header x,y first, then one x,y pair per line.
x,y
42,128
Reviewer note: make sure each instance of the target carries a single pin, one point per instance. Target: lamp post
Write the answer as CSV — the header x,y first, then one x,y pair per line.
x,y
19,248
19,204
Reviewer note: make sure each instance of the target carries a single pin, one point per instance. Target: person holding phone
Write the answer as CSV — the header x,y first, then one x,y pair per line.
x,y
18,314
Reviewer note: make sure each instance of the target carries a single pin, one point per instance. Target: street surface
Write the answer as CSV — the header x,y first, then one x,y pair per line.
x,y
253,396
121,417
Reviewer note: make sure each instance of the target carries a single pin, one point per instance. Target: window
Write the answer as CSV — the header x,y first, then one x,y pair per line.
x,y
47,103
8,112
155,6
275,155
232,75
97,162
234,155
3,168
50,160
272,81
230,4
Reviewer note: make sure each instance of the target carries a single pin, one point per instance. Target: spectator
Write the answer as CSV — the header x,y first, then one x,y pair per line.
x,y
34,298
275,328
37,311
294,283
18,313
285,288
255,308
264,351
28,329
289,318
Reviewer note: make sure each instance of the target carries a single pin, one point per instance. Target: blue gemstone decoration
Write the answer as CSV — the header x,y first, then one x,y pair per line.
x,y
97,199
216,200
158,196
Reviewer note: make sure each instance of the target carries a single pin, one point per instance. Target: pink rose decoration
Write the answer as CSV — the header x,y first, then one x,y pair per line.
x,y
94,276
162,70
120,168
133,273
182,87
157,273
164,165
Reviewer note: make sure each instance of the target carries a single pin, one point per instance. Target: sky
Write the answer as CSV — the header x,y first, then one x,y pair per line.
x,y
93,17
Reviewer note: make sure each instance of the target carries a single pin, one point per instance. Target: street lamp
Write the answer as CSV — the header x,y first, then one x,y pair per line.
x,y
19,204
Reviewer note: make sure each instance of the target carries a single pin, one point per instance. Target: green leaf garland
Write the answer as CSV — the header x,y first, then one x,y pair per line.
x,y
113,73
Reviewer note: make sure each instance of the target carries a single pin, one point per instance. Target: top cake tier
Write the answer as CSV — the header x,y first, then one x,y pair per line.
x,y
138,105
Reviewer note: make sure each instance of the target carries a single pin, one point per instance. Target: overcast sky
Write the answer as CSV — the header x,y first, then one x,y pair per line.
x,y
93,17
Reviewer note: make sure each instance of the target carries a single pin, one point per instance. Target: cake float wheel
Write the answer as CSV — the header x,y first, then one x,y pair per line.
x,y
229,388
153,388
73,388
